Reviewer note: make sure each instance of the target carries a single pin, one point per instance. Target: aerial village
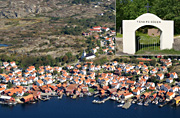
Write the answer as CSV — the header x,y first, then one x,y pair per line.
x,y
125,83
106,39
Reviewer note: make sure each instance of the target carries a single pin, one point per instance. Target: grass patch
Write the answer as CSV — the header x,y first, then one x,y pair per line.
x,y
119,35
91,90
166,51
146,39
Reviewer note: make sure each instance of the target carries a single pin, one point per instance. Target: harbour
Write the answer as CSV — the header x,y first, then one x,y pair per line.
x,y
81,107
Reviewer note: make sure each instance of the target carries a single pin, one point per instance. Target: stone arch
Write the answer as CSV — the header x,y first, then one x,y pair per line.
x,y
130,26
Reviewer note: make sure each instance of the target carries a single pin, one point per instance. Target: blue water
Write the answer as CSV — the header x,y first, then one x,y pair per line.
x,y
3,45
83,108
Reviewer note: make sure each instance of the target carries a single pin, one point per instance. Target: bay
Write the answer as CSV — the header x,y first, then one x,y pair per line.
x,y
84,108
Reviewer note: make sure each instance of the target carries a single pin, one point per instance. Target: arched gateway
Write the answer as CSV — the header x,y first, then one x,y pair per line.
x,y
130,26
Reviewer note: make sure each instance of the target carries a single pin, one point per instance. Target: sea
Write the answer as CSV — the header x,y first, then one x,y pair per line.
x,y
84,108
3,45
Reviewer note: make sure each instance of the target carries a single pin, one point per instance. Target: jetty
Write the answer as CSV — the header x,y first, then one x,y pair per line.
x,y
163,104
60,97
103,101
127,104
96,95
53,94
74,96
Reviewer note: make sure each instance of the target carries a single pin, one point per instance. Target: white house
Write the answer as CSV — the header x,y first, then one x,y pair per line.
x,y
39,83
47,80
94,50
169,80
160,76
174,75
87,56
136,91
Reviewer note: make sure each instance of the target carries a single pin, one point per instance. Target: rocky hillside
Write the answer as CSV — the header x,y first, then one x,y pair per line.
x,y
50,27
53,8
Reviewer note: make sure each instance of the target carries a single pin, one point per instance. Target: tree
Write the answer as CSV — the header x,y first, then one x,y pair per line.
x,y
55,72
153,62
131,9
65,58
69,54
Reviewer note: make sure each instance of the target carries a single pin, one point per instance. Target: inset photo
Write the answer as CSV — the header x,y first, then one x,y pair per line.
x,y
147,27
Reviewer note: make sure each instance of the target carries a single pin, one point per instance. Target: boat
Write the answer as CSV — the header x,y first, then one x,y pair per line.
x,y
156,102
33,102
81,95
122,101
120,105
140,103
146,104
10,103
94,101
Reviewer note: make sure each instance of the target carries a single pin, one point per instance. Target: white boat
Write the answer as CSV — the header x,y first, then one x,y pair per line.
x,y
120,105
122,101
156,102
10,103
94,101
140,103
81,95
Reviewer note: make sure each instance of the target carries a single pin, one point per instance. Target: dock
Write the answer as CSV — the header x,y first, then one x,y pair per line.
x,y
103,101
127,104
97,95
74,96
54,94
60,97
161,105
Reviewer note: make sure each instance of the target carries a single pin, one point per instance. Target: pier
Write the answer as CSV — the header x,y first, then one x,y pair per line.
x,y
53,94
103,101
127,104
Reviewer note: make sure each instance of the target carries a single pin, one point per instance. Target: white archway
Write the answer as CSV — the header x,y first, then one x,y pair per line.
x,y
130,26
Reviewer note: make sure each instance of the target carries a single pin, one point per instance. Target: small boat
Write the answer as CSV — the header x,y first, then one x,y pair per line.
x,y
81,95
122,101
94,101
156,102
140,103
146,104
14,103
10,103
120,105
33,102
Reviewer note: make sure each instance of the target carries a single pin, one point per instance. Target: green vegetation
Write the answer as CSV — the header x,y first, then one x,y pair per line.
x,y
119,35
146,39
14,23
131,9
91,90
26,94
9,85
151,51
26,61
100,61
14,95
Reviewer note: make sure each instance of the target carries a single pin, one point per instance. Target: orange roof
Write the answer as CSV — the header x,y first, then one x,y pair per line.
x,y
170,93
40,81
29,96
1,89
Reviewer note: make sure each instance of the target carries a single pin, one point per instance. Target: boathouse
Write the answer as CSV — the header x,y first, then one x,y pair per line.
x,y
27,98
177,99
